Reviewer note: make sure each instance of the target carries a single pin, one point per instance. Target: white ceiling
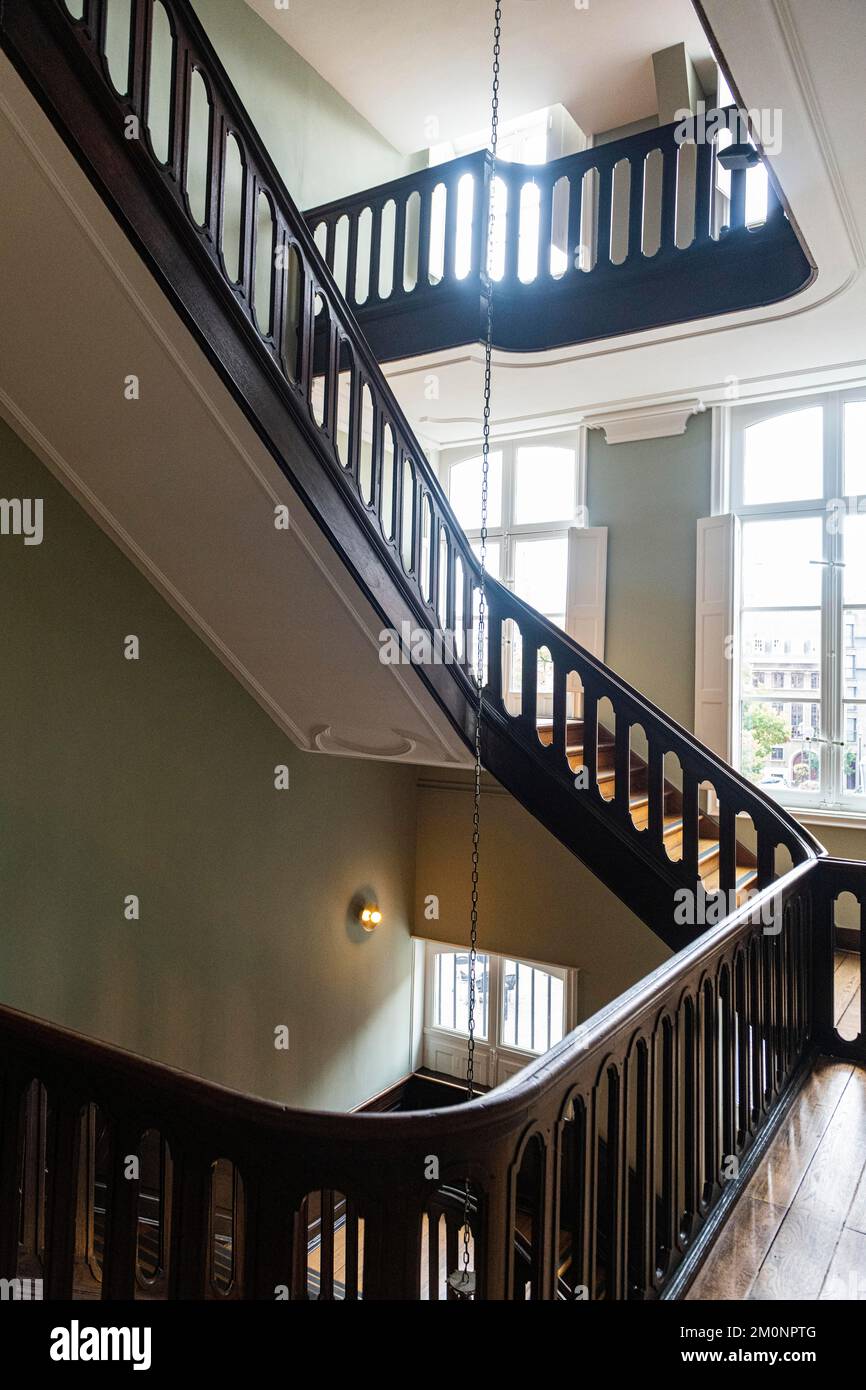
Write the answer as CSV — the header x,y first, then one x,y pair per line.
x,y
802,60
402,63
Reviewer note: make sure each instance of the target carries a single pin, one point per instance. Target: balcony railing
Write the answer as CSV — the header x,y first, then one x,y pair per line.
x,y
631,235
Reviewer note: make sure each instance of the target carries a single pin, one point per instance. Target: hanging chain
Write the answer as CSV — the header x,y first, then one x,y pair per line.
x,y
465,1279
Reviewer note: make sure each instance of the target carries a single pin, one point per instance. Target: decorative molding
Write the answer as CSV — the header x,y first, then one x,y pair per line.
x,y
657,421
326,741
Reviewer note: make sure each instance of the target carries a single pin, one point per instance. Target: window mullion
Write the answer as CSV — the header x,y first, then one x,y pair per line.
x,y
834,580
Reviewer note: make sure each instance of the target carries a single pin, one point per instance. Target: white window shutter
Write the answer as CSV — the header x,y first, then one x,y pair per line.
x,y
715,642
587,587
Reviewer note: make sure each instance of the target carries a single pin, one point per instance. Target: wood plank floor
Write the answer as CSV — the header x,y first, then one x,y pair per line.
x,y
799,1229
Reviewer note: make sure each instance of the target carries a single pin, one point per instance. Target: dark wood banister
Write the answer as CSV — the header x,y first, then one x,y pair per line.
x,y
630,1120
421,531
604,281
697,1060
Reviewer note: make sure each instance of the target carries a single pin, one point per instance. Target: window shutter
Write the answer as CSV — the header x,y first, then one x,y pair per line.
x,y
587,587
715,645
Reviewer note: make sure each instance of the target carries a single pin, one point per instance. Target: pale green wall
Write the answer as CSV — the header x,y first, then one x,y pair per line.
x,y
156,778
650,495
321,145
535,899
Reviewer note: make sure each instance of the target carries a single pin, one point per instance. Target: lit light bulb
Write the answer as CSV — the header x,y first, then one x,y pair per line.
x,y
370,917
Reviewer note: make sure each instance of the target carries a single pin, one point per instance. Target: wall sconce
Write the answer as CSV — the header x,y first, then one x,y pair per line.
x,y
370,916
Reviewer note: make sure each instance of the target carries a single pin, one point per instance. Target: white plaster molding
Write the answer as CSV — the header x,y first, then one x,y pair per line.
x,y
327,741
661,420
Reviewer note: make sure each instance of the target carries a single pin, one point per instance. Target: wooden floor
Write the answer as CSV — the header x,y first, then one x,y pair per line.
x,y
799,1229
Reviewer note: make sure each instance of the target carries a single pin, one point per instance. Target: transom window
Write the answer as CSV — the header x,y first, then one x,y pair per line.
x,y
799,488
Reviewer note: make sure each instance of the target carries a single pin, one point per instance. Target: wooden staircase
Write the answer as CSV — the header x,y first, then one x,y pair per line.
x,y
709,834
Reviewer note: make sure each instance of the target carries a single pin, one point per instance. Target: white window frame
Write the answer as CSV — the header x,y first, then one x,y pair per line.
x,y
728,468
495,1061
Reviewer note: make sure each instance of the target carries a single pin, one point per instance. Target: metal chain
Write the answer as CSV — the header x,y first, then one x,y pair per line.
x,y
482,608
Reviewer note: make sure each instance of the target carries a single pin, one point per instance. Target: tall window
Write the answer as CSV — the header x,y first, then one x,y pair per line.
x,y
532,502
799,488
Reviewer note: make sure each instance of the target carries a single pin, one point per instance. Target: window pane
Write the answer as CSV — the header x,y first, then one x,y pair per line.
x,y
855,448
451,991
854,754
777,751
464,485
783,458
781,562
854,536
854,654
780,653
540,572
544,484
533,1012
493,561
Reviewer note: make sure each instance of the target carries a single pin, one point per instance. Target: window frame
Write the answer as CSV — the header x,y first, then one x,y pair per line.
x,y
498,1059
831,795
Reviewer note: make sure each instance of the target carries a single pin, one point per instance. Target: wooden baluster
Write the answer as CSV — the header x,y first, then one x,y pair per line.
x,y
511,176
727,847
704,191
775,211
247,238
738,199
449,255
710,1089
766,856
352,260
326,1245
373,295
121,1217
453,1251
392,1267
656,795
617,1180
331,242
590,733
178,110
399,258
494,654
142,42
529,684
770,961
545,227
635,209
588,1254
743,1017
670,1137
647,1144
481,217
190,1225
424,216
575,219
690,823
352,1235
757,1021
605,214
728,1103
670,153
11,1144
688,1175
433,1220
332,380
622,763
61,1207
269,1239
559,739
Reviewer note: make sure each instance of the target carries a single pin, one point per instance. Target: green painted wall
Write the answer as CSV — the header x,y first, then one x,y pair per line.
x,y
155,777
650,495
321,145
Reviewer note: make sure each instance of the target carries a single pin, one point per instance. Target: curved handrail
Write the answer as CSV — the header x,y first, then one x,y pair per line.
x,y
309,340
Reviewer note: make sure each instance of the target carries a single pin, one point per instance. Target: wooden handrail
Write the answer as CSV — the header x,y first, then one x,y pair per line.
x,y
625,236
286,343
614,1147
